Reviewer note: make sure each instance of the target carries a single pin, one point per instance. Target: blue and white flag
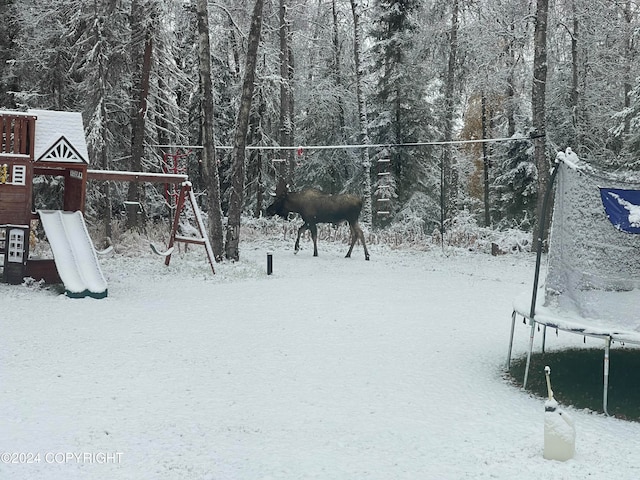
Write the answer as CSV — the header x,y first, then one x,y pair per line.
x,y
623,208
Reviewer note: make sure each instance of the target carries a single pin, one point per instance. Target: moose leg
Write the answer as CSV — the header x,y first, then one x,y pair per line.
x,y
354,239
364,244
314,236
357,234
300,230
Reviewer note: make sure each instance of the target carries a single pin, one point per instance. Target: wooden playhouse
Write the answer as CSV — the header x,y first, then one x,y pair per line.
x,y
35,144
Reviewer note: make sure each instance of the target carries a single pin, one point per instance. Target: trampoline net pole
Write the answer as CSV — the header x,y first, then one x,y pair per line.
x,y
526,369
605,389
536,278
513,326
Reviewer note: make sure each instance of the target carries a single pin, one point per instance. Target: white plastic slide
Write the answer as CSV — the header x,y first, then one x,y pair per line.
x,y
73,253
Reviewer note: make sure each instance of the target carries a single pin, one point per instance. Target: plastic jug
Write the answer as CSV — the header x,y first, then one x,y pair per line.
x,y
559,428
559,433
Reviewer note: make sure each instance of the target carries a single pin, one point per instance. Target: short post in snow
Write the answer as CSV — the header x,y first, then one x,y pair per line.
x,y
559,429
269,263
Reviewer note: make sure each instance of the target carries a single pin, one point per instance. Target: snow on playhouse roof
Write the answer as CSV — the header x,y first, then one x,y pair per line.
x,y
59,137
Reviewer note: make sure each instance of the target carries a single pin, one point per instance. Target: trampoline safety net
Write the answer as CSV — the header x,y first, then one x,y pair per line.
x,y
593,263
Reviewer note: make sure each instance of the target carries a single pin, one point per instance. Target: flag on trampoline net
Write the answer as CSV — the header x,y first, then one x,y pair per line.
x,y
623,208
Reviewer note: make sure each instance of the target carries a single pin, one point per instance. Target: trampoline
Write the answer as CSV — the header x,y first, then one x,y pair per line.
x,y
592,285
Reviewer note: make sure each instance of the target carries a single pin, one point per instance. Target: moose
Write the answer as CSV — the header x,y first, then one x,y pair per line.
x,y
316,207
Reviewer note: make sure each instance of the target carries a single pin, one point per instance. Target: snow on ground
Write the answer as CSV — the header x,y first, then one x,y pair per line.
x,y
330,368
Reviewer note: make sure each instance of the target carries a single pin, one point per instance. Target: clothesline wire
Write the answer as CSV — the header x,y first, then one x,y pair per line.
x,y
356,146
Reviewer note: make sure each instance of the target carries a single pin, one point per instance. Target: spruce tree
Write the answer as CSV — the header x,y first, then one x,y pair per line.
x,y
400,114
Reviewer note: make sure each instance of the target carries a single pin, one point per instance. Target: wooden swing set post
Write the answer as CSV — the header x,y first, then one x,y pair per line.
x,y
185,191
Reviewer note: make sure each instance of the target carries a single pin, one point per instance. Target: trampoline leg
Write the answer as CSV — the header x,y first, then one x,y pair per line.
x,y
605,392
513,326
544,337
526,369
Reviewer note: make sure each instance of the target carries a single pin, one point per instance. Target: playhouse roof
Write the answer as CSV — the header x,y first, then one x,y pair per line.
x,y
59,137
14,113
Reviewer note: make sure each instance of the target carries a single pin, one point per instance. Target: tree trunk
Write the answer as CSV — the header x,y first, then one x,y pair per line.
x,y
485,162
538,98
255,166
574,96
141,59
449,179
256,156
103,152
367,213
337,73
209,161
236,200
510,90
629,46
286,97
105,164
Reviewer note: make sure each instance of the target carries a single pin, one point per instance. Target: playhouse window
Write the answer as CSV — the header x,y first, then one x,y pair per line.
x,y
19,175
16,245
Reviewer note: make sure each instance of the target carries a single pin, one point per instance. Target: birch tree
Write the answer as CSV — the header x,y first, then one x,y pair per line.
x,y
236,201
363,121
449,178
286,93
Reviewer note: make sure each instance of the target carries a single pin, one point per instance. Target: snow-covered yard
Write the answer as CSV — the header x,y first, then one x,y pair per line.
x,y
330,368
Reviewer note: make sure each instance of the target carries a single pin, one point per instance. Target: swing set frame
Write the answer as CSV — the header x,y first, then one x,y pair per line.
x,y
185,194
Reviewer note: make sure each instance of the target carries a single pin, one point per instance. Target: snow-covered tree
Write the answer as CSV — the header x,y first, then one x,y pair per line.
x,y
11,29
46,50
403,97
538,107
325,96
514,188
102,69
236,202
631,116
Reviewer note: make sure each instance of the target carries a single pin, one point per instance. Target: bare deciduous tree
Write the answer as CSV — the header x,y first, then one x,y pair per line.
x,y
449,183
538,107
236,200
362,112
286,93
210,164
141,51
